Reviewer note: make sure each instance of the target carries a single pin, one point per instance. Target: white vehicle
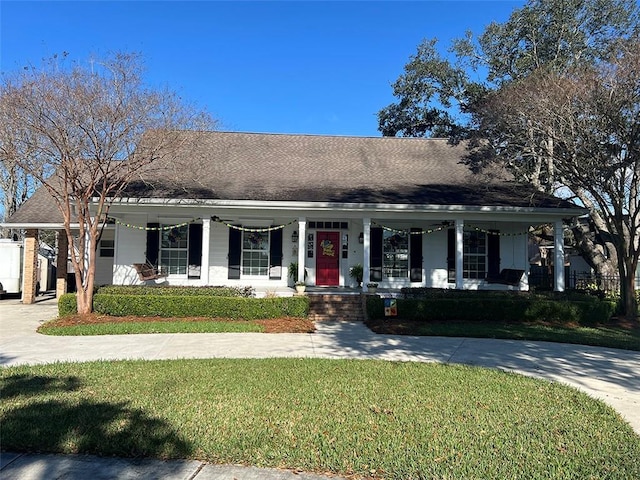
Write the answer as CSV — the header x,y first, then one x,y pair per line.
x,y
12,267
11,260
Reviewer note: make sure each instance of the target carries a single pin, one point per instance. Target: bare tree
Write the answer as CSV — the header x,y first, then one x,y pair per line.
x,y
82,126
16,185
585,126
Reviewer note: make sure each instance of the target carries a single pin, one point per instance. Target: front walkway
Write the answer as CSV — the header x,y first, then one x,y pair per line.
x,y
605,373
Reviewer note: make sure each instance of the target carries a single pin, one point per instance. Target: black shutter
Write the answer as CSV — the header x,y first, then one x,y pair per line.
x,y
275,255
235,253
195,250
153,243
451,255
375,250
415,256
493,254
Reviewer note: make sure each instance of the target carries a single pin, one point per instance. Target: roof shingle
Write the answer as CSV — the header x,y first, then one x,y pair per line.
x,y
314,168
278,167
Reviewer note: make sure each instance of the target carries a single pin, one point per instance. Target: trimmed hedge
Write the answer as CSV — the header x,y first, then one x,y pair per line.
x,y
67,305
427,292
176,291
505,308
191,306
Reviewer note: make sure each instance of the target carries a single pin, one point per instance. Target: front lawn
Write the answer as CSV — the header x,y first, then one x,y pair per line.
x,y
392,420
96,324
622,335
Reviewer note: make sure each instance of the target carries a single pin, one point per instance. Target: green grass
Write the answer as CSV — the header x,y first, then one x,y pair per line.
x,y
368,418
121,328
601,336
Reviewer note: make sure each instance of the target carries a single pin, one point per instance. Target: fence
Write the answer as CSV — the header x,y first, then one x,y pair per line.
x,y
542,279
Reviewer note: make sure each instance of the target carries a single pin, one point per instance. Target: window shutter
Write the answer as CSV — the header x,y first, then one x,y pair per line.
x,y
451,255
235,253
195,250
275,255
153,243
415,256
493,253
375,249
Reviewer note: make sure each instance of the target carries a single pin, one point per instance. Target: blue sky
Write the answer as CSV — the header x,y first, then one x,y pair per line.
x,y
275,67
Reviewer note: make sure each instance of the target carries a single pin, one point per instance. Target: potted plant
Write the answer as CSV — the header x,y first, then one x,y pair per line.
x,y
372,287
356,273
300,287
293,273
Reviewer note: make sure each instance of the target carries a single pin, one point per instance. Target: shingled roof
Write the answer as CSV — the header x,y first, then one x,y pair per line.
x,y
314,168
40,208
278,167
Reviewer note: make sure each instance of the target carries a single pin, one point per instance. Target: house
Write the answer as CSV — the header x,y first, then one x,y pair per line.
x,y
244,206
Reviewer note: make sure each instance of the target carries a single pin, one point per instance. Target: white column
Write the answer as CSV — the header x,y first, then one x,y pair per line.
x,y
366,255
302,250
558,261
459,254
204,261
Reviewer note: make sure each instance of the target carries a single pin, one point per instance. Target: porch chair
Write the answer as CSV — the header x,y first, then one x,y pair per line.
x,y
507,276
147,271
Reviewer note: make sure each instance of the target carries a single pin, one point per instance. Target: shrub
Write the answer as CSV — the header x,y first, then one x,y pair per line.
x,y
497,307
201,306
67,305
176,291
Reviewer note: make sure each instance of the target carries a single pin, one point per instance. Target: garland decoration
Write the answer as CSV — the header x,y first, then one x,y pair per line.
x,y
410,232
155,229
252,230
444,227
531,230
278,227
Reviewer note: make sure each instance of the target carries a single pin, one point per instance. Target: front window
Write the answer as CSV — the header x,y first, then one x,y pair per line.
x,y
475,255
255,253
173,250
395,254
107,247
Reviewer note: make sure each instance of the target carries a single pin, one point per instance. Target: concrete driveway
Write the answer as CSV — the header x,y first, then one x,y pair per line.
x,y
608,374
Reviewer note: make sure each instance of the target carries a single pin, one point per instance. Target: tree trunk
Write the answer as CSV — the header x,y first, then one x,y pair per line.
x,y
628,297
84,298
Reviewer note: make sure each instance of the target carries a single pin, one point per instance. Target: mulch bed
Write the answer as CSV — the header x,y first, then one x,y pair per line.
x,y
270,325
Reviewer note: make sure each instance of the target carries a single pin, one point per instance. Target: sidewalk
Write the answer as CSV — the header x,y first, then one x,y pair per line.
x,y
82,467
610,375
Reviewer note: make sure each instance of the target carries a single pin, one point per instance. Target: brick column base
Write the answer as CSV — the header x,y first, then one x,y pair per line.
x,y
30,267
61,268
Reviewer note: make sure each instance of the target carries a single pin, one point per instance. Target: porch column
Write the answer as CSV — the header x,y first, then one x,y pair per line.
x,y
558,261
459,254
302,250
204,263
366,246
61,263
30,267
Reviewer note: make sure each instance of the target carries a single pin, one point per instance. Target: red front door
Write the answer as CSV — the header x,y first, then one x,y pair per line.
x,y
328,258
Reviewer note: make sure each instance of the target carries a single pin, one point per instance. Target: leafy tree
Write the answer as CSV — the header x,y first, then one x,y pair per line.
x,y
587,124
468,98
79,129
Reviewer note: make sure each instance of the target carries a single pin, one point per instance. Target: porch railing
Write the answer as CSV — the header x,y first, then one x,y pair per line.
x,y
543,280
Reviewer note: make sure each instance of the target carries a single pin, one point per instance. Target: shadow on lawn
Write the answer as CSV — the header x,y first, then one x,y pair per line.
x,y
51,414
549,360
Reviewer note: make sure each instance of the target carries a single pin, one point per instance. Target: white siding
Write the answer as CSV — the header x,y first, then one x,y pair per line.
x,y
434,253
130,249
104,265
